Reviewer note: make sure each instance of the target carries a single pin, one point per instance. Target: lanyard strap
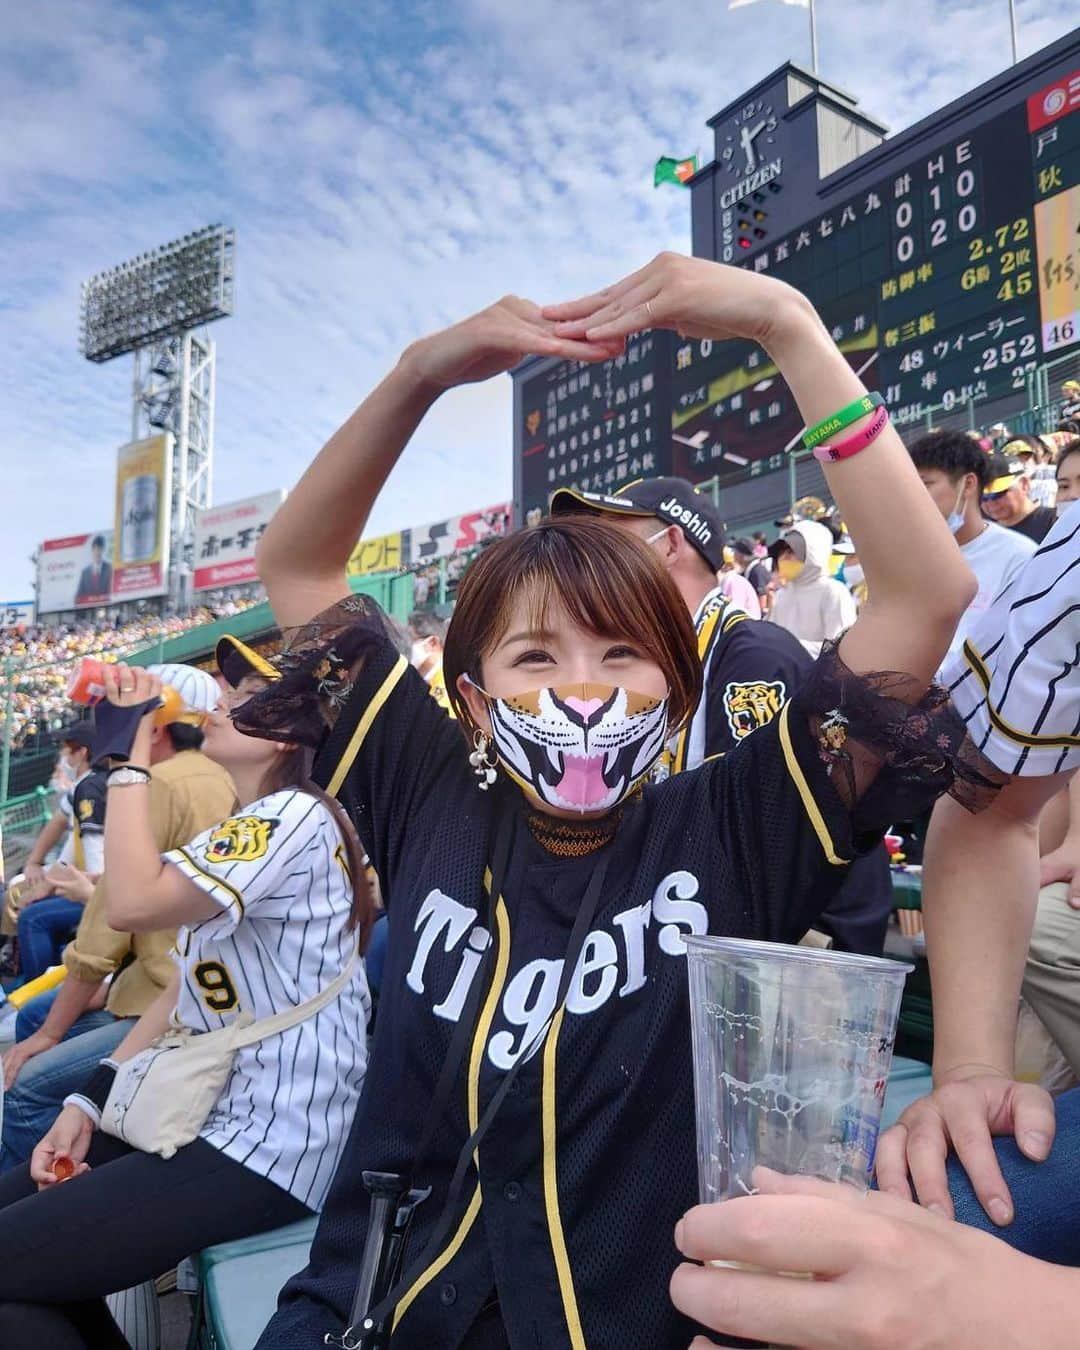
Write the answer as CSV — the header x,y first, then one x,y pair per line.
x,y
447,1215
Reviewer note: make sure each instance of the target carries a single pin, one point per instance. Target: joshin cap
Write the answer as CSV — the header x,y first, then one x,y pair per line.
x,y
673,501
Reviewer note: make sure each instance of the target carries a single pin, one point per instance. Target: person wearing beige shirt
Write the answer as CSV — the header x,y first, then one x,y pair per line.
x,y
86,1019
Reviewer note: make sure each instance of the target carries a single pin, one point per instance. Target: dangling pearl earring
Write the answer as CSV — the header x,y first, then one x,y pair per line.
x,y
483,760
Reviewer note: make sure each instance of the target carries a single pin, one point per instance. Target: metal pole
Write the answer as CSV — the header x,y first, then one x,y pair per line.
x,y
1012,26
5,762
813,38
136,389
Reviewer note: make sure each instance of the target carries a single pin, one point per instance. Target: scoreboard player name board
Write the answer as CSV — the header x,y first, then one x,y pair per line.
x,y
945,262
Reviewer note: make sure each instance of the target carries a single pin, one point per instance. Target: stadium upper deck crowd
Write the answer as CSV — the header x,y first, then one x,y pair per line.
x,y
42,658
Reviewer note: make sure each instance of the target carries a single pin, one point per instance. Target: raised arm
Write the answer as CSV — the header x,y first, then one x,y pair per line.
x,y
143,893
303,554
901,537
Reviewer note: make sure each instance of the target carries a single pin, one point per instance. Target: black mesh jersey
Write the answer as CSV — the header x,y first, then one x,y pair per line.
x,y
751,669
579,1182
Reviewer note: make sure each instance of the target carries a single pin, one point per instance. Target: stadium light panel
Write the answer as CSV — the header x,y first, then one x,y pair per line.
x,y
160,294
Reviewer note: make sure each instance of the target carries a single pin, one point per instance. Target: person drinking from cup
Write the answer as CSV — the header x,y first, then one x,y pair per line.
x,y
532,1062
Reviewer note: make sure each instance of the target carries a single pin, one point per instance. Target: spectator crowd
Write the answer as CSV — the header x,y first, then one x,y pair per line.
x,y
40,659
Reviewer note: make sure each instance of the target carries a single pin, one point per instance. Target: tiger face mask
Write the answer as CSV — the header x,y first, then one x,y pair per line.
x,y
581,747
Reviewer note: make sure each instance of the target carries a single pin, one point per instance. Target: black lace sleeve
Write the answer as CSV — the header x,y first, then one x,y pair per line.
x,y
382,745
887,758
319,664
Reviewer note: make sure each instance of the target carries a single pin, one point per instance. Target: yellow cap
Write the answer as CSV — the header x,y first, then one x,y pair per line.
x,y
235,659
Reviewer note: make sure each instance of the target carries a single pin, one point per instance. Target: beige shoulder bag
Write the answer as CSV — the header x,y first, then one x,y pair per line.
x,y
161,1097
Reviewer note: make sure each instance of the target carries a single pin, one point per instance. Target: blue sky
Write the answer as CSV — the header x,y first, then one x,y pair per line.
x,y
388,168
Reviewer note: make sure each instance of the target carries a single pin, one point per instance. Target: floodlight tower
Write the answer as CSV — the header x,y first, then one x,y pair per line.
x,y
151,306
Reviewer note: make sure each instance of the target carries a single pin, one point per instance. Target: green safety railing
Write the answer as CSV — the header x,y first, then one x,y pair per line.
x,y
21,819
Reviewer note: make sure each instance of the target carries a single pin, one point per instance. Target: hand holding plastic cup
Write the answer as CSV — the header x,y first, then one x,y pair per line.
x,y
792,1048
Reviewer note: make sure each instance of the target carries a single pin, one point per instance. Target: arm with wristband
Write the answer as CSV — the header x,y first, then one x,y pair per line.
x,y
900,535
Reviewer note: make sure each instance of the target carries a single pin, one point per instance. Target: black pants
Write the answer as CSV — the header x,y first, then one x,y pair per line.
x,y
130,1218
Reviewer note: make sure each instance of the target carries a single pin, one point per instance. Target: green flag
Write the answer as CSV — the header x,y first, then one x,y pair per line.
x,y
675,171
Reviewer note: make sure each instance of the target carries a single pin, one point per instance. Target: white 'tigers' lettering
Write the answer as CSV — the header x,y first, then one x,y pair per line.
x,y
528,1000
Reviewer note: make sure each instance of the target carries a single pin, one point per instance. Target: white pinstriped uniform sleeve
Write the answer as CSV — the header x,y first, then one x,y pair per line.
x,y
1016,680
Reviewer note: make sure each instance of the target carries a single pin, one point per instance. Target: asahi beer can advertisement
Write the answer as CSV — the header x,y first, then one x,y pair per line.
x,y
141,536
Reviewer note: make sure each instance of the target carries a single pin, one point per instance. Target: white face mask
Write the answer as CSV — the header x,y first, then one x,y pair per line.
x,y
853,574
419,654
581,748
956,517
658,535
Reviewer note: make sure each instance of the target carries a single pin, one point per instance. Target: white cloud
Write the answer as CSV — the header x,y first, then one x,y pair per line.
x,y
388,169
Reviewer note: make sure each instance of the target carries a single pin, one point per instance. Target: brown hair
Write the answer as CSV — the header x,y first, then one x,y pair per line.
x,y
608,581
293,770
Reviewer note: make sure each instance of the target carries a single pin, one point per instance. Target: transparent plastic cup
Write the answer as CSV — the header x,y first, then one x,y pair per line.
x,y
792,1048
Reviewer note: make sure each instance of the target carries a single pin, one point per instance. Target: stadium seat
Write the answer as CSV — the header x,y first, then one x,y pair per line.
x,y
909,1079
239,1284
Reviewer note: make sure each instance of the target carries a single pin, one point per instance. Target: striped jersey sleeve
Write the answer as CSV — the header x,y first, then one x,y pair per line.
x,y
253,862
1015,680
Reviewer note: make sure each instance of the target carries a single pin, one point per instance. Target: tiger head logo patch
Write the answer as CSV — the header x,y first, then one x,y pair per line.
x,y
86,808
241,839
752,703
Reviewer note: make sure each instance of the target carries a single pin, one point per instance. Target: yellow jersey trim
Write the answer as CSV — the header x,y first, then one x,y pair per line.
x,y
372,711
704,641
476,1054
813,811
214,881
551,1189
443,1259
978,666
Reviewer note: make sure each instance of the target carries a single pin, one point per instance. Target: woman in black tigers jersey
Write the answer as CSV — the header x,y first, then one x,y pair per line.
x,y
538,895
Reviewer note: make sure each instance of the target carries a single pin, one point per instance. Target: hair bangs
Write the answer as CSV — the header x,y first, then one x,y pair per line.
x,y
602,578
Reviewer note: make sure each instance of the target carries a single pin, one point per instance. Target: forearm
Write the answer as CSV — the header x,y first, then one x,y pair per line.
x,y
133,864
314,532
899,532
980,885
51,834
73,998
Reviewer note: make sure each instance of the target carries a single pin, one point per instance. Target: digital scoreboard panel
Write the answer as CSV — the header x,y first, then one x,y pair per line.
x,y
948,281
951,276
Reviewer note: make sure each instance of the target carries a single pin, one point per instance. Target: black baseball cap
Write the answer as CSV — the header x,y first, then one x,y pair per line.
x,y
743,547
672,501
79,733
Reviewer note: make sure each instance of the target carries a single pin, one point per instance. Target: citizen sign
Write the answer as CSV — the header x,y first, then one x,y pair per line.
x,y
764,175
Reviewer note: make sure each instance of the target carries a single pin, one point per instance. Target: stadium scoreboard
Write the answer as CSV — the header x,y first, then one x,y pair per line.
x,y
945,263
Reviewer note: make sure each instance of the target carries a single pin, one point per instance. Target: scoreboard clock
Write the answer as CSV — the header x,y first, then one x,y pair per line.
x,y
945,263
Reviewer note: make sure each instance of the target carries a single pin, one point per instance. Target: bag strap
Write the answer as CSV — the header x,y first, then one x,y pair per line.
x,y
290,1017
448,1215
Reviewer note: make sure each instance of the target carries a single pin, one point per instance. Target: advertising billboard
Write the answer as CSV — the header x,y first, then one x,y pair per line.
x,y
225,540
384,553
141,536
16,613
75,572
428,543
